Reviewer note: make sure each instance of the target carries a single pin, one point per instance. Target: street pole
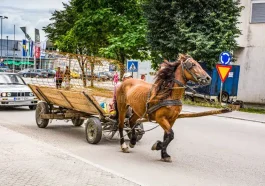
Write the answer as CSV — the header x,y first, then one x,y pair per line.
x,y
14,49
221,90
7,47
2,17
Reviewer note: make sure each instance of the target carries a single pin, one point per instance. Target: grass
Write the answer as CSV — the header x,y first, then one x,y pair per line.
x,y
253,110
96,91
218,105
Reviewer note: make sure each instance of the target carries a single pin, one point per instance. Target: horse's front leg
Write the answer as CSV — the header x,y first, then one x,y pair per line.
x,y
168,137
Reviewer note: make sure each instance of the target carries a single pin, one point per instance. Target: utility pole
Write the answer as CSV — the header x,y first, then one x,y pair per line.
x,y
7,47
14,49
2,17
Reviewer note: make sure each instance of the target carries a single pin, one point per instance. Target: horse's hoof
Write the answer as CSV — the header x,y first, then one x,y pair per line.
x,y
154,147
167,159
125,150
131,145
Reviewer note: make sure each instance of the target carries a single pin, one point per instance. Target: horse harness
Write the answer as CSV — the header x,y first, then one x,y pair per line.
x,y
176,102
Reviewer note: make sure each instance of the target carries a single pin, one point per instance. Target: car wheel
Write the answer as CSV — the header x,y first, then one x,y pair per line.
x,y
224,98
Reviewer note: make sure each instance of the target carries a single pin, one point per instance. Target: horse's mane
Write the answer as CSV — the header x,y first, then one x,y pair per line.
x,y
164,79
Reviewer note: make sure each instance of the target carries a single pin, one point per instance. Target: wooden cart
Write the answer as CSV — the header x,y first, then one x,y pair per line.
x,y
78,106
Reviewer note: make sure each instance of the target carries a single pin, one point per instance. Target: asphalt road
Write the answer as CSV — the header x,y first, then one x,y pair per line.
x,y
206,151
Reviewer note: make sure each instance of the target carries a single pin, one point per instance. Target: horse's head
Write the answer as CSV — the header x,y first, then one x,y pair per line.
x,y
192,70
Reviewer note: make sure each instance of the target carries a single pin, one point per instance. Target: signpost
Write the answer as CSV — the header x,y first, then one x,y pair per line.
x,y
132,66
223,69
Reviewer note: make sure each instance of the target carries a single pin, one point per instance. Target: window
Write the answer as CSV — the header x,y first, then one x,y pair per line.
x,y
258,11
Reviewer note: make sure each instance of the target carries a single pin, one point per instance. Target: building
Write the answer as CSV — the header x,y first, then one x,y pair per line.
x,y
251,54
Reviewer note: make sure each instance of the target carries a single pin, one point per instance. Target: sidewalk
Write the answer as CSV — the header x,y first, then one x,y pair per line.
x,y
234,115
24,161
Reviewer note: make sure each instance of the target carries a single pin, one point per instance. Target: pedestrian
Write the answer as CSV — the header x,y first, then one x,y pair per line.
x,y
67,77
113,106
58,78
143,77
115,78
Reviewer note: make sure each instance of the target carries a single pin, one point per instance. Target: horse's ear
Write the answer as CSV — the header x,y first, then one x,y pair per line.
x,y
181,57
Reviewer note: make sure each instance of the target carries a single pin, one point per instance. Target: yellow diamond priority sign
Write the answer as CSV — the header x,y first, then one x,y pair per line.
x,y
223,71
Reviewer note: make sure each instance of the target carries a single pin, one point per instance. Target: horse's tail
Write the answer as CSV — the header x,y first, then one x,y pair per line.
x,y
207,113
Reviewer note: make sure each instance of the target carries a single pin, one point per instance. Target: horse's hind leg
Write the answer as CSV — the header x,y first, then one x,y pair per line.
x,y
132,122
122,114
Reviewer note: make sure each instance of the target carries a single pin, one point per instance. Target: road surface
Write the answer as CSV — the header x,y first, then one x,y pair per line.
x,y
210,150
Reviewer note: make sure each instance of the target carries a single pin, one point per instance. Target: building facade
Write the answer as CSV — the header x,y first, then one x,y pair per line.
x,y
251,54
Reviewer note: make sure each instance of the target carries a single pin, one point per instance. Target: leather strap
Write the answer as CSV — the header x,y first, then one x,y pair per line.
x,y
164,103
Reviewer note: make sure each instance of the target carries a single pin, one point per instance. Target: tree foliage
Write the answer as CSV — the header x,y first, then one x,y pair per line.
x,y
104,28
201,28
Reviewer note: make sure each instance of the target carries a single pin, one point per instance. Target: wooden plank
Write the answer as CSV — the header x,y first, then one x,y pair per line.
x,y
36,93
66,100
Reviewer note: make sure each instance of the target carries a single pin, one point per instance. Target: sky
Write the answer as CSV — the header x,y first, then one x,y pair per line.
x,y
27,13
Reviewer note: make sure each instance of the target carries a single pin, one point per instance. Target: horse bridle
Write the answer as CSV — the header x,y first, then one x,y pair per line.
x,y
185,66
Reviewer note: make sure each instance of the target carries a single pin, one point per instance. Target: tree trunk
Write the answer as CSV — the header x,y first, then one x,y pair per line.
x,y
122,70
92,74
83,73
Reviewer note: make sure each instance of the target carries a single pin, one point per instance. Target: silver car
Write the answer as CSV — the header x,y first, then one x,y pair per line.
x,y
14,92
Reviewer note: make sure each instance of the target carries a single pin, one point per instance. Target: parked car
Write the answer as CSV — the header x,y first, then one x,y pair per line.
x,y
14,92
51,73
88,75
74,74
101,76
32,73
42,73
108,74
5,69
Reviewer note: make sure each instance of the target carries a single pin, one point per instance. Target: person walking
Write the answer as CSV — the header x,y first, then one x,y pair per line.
x,y
113,105
115,78
67,78
58,78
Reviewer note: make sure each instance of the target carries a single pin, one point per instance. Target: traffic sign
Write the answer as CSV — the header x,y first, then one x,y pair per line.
x,y
225,58
132,66
223,71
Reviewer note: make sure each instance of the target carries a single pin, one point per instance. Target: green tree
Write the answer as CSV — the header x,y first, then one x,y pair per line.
x,y
201,28
124,28
106,28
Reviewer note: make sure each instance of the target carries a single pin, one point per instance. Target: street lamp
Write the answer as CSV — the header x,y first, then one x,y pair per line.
x,y
7,47
2,17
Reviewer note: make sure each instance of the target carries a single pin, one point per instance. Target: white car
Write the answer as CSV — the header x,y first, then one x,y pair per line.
x,y
14,92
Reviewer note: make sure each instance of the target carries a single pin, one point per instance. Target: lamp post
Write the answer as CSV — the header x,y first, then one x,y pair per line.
x,y
2,17
7,47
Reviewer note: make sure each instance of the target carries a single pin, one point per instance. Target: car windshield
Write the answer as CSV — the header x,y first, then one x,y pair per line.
x,y
10,79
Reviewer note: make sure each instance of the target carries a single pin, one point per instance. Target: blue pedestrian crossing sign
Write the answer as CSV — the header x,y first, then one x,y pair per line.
x,y
225,58
132,66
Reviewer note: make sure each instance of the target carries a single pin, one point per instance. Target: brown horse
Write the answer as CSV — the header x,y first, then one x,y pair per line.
x,y
159,102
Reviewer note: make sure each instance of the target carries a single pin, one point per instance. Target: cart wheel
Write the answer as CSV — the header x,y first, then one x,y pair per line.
x,y
42,108
93,130
77,122
139,134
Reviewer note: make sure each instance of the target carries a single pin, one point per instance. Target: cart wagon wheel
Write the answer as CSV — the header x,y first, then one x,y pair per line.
x,y
93,130
77,122
139,134
42,108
